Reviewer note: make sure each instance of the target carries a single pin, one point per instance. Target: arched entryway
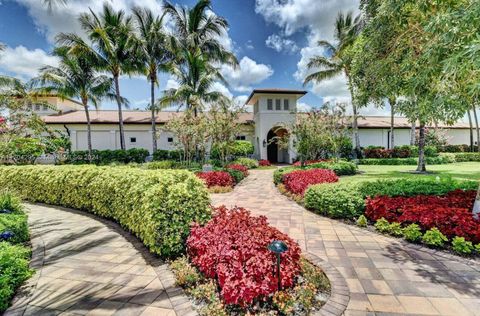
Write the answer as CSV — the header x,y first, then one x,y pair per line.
x,y
275,154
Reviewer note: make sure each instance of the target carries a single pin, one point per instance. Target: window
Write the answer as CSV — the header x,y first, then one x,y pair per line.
x,y
37,107
278,105
133,140
45,107
286,106
170,139
270,104
241,137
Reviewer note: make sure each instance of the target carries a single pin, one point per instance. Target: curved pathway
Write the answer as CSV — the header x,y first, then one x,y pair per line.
x,y
89,266
385,276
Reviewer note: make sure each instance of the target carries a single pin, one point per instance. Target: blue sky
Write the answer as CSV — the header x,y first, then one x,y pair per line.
x,y
272,39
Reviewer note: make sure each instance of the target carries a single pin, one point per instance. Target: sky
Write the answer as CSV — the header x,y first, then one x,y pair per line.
x,y
272,39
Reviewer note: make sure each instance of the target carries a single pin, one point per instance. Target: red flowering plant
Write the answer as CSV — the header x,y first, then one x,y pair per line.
x,y
216,178
377,153
450,213
232,248
298,181
240,168
264,163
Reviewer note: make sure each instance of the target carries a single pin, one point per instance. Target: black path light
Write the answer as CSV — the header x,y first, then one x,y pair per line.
x,y
278,247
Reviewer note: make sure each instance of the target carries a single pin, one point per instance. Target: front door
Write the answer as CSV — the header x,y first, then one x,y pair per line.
x,y
272,148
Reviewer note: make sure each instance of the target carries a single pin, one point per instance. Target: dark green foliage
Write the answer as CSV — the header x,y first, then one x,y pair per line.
x,y
14,270
10,202
454,148
440,160
464,157
236,174
157,206
17,224
162,154
105,157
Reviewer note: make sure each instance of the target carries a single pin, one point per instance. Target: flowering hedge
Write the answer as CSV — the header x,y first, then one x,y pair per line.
x,y
264,163
240,168
232,248
450,213
298,181
216,178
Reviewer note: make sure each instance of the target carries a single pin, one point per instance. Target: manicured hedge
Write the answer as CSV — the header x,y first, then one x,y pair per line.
x,y
405,161
341,168
105,157
162,154
464,157
247,162
157,206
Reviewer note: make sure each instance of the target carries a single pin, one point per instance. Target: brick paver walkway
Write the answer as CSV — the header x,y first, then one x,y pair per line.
x,y
386,276
88,266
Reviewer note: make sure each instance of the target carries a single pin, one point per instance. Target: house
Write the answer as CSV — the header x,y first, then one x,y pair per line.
x,y
269,110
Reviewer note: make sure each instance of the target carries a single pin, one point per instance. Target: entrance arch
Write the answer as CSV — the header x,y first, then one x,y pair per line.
x,y
275,154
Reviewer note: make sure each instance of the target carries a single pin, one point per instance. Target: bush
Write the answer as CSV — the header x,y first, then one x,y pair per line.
x,y
185,274
264,163
362,221
24,150
105,157
434,238
247,162
309,162
280,172
405,151
236,175
16,224
375,152
242,148
395,229
465,157
412,233
335,200
216,178
382,225
341,168
404,161
164,164
232,248
461,246
298,181
14,270
454,148
431,151
157,206
9,203
240,168
162,154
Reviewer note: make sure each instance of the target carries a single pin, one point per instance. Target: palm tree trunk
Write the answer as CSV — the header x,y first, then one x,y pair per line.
x,y
476,127
392,122
471,129
120,114
89,128
412,133
421,149
152,108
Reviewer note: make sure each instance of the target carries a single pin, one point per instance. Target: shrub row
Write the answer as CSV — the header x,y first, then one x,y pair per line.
x,y
405,151
341,168
240,148
464,157
162,154
14,257
105,157
440,160
157,206
346,200
454,148
232,249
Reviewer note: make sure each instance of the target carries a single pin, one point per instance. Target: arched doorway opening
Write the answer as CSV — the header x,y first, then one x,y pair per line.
x,y
275,153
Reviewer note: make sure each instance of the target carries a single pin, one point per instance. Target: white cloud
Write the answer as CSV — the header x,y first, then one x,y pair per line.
x,y
172,84
281,44
303,107
64,18
248,73
219,87
25,63
249,45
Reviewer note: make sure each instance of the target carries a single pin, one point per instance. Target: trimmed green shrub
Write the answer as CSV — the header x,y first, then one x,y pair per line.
x,y
461,246
412,187
454,148
465,157
164,164
236,174
440,160
10,202
157,206
341,168
450,157
382,225
412,233
434,238
14,270
162,154
338,201
362,221
16,224
247,162
105,157
242,148
477,248
395,229
431,151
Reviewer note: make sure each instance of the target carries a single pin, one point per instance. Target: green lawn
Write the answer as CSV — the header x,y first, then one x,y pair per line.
x,y
463,171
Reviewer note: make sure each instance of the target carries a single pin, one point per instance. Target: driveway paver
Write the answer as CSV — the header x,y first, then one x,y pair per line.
x,y
385,276
89,266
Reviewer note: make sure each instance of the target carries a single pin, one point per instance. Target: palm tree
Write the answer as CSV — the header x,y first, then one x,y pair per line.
x,y
154,52
76,77
2,47
335,62
475,116
111,33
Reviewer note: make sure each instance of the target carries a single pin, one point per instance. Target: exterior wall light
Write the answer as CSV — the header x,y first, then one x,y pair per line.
x,y
278,247
264,143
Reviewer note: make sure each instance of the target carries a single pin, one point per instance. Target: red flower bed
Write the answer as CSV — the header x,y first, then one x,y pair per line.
x,y
264,163
377,153
216,178
310,162
450,213
298,181
239,167
232,248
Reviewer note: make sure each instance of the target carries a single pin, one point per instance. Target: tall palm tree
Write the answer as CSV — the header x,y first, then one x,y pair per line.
x,y
477,128
155,54
2,47
76,77
334,62
113,50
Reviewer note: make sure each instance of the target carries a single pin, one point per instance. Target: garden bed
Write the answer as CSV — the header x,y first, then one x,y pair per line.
x,y
229,270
